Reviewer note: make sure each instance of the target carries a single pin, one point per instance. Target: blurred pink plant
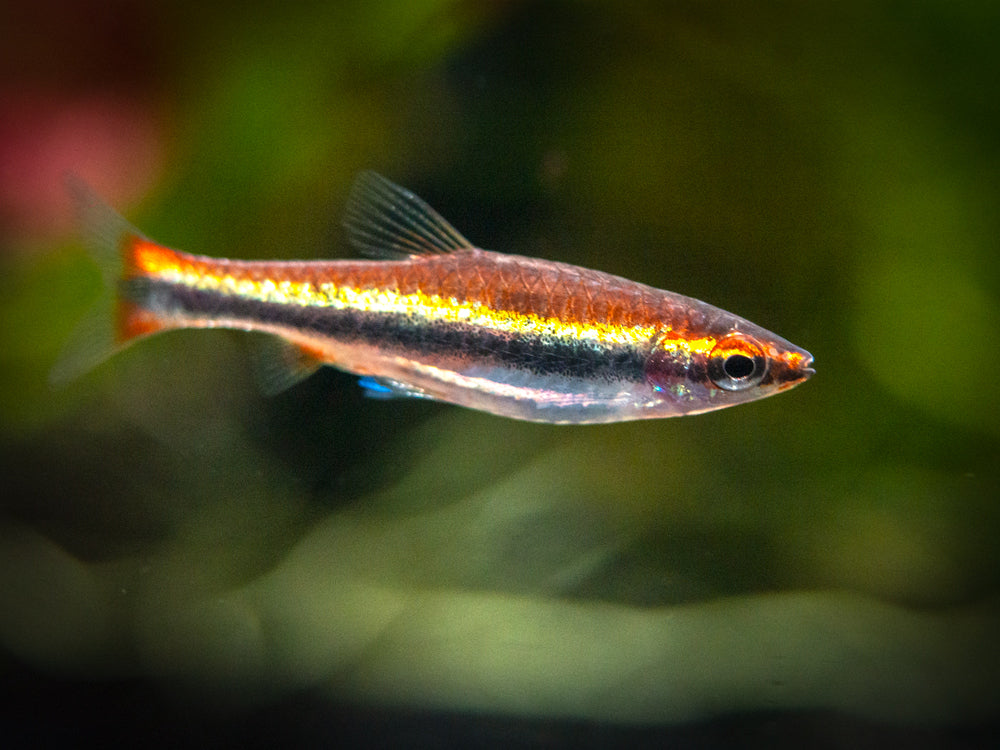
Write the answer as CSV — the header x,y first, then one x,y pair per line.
x,y
112,143
79,85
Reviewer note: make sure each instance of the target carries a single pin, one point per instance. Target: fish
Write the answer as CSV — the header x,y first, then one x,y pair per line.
x,y
426,314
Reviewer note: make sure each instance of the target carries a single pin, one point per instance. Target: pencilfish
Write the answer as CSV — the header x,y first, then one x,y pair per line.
x,y
429,315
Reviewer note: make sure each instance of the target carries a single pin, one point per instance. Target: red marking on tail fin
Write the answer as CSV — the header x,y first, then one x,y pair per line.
x,y
141,257
134,321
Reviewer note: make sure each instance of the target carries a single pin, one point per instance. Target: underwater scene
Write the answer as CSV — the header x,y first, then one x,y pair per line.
x,y
212,536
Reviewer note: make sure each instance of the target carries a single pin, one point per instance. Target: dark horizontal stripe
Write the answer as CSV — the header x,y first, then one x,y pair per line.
x,y
541,355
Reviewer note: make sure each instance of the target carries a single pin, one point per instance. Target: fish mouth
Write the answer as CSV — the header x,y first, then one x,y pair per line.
x,y
791,372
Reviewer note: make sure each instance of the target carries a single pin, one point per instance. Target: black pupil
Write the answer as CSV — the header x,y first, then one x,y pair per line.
x,y
738,366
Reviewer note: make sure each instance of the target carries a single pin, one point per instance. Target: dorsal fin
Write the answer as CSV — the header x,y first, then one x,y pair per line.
x,y
384,220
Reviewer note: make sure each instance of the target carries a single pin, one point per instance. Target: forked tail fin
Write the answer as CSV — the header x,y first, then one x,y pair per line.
x,y
113,322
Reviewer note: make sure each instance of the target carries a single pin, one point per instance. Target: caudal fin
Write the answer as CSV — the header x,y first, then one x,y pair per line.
x,y
113,322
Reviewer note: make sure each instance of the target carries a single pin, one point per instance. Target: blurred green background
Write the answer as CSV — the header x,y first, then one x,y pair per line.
x,y
830,172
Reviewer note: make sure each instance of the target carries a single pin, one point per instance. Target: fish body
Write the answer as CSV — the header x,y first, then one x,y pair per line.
x,y
436,317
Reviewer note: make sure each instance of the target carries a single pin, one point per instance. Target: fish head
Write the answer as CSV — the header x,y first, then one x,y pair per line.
x,y
731,363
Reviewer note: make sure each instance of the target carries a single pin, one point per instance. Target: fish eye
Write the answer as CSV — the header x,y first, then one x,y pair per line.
x,y
737,362
738,366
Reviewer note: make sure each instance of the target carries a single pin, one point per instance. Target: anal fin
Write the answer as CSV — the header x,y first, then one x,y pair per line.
x,y
281,364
